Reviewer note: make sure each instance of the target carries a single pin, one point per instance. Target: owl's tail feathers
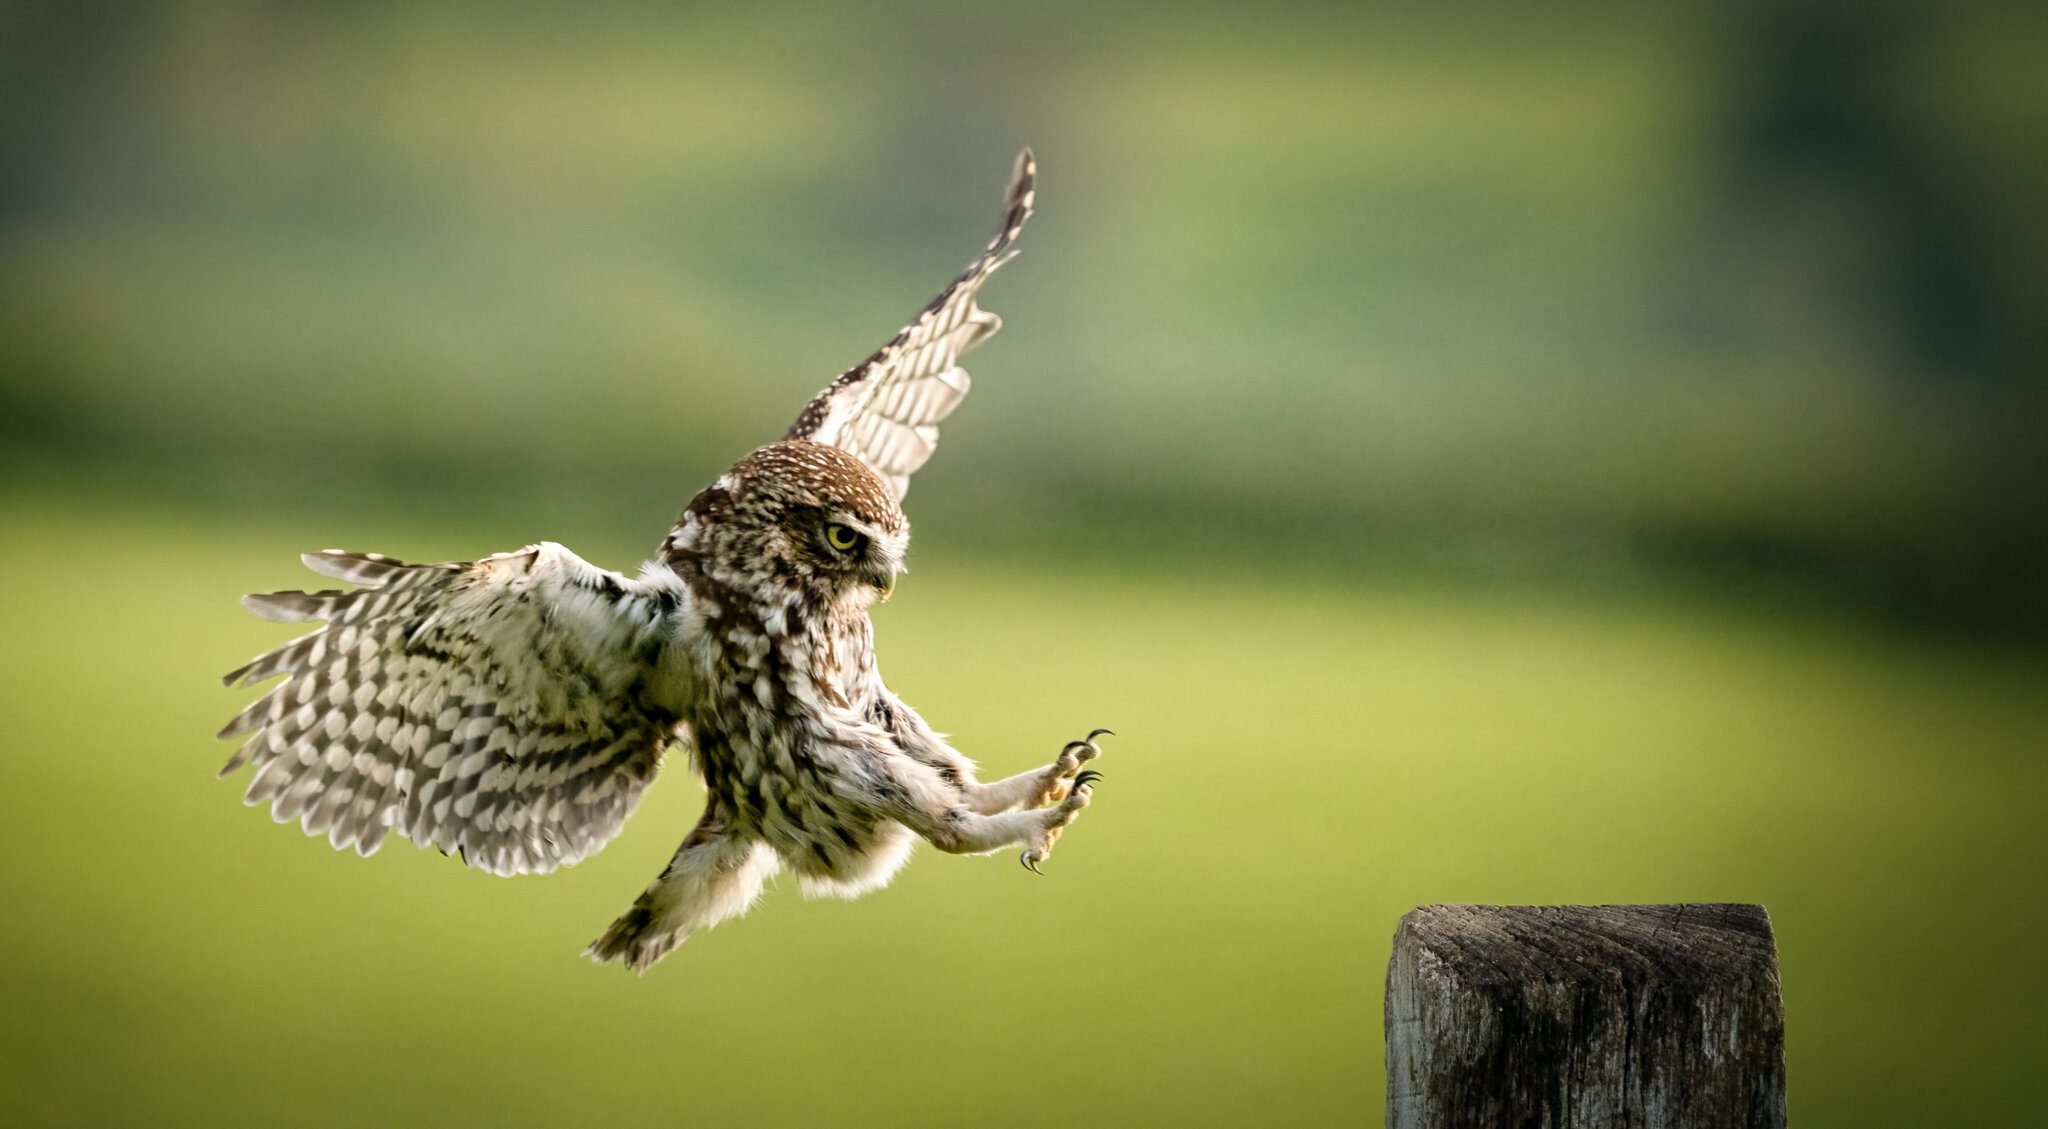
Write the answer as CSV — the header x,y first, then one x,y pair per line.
x,y
712,877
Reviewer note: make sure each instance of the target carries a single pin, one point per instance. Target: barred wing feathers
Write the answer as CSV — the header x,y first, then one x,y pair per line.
x,y
499,709
886,410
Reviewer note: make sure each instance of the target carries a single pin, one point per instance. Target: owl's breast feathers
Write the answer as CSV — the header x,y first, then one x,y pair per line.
x,y
778,707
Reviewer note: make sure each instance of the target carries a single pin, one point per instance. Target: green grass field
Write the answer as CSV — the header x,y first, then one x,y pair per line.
x,y
1296,765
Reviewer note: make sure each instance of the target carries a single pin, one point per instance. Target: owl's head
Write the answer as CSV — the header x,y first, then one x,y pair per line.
x,y
796,515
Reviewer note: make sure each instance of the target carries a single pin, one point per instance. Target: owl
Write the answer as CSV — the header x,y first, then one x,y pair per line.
x,y
512,710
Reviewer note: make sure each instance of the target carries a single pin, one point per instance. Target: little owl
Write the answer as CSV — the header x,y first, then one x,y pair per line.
x,y
512,710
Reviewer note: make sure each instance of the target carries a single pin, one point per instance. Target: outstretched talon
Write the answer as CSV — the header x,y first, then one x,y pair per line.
x,y
1058,774
1080,792
1078,753
1037,788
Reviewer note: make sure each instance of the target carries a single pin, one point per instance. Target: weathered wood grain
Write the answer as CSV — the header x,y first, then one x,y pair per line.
x,y
1562,1017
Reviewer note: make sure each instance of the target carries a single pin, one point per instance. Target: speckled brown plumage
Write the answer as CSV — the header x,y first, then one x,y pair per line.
x,y
511,710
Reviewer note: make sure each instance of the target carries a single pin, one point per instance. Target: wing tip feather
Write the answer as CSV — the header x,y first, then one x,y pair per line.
x,y
287,607
369,569
1024,175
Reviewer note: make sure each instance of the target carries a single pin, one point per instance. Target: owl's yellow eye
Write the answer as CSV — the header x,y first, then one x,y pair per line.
x,y
842,538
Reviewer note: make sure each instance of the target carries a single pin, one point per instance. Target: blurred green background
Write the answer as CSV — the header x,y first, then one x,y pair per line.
x,y
1469,455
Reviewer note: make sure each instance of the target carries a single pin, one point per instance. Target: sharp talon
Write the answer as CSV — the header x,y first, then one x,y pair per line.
x,y
1101,733
1088,777
1072,745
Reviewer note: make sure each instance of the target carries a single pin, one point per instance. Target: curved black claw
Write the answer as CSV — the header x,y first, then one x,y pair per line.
x,y
1088,741
1087,778
1025,858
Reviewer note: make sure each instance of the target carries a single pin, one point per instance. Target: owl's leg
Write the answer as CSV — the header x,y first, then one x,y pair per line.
x,y
1038,787
713,876
956,829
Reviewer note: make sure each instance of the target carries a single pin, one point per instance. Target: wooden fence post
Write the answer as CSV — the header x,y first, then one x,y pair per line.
x,y
1569,1017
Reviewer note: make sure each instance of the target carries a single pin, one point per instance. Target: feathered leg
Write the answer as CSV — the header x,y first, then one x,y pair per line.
x,y
713,876
933,808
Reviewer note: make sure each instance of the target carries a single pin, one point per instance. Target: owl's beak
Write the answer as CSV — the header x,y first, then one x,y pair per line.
x,y
883,581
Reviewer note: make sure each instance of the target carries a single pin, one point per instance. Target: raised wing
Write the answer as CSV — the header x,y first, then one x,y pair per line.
x,y
886,409
499,709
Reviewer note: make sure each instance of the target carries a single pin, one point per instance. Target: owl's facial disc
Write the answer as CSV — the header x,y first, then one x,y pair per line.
x,y
870,555
803,513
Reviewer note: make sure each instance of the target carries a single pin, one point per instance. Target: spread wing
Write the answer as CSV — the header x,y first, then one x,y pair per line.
x,y
496,708
886,409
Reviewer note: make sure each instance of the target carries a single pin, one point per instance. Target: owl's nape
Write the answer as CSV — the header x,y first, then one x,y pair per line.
x,y
510,711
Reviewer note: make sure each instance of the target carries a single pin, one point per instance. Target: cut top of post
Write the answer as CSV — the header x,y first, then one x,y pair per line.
x,y
1669,944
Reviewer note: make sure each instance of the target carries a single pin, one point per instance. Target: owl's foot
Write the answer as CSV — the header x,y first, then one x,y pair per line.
x,y
1057,818
1035,789
1059,775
